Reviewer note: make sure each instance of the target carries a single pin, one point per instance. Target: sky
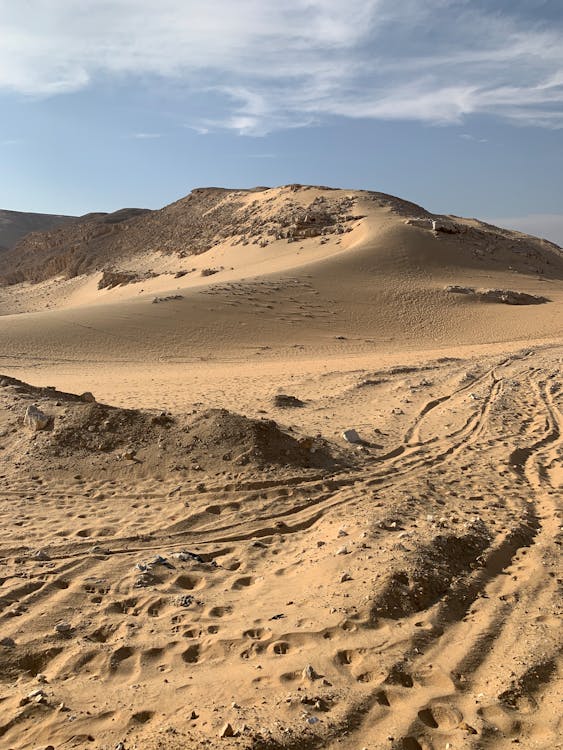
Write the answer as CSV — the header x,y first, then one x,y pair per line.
x,y
454,104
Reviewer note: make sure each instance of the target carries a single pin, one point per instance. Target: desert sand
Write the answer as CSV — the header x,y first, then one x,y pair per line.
x,y
195,556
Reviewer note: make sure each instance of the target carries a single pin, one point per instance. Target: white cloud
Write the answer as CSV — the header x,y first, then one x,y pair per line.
x,y
548,226
146,136
270,64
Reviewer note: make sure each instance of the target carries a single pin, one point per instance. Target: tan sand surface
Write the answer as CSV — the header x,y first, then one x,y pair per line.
x,y
189,551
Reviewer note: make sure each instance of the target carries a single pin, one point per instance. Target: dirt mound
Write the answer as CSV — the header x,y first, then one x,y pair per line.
x,y
222,435
86,436
425,576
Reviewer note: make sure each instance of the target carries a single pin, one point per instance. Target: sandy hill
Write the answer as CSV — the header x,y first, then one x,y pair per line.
x,y
286,267
209,217
17,224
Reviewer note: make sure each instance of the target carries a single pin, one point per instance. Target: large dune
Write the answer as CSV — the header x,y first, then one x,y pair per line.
x,y
198,558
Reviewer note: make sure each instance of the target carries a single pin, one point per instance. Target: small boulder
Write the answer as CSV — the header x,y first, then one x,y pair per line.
x,y
447,226
285,401
351,436
227,731
88,397
35,419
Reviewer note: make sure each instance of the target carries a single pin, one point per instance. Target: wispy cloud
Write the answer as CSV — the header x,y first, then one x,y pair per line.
x,y
472,138
145,136
274,65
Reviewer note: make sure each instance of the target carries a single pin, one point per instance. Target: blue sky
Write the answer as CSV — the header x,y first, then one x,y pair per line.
x,y
455,104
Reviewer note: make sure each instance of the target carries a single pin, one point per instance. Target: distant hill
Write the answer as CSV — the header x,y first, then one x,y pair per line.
x,y
70,246
215,217
16,224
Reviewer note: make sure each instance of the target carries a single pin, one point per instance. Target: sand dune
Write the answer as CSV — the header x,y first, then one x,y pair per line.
x,y
188,556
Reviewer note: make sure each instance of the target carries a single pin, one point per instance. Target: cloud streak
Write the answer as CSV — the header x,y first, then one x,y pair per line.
x,y
270,65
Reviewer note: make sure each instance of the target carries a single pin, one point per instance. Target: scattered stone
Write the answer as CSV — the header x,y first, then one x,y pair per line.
x,y
170,297
88,397
188,557
343,551
285,401
8,643
40,555
342,532
185,600
35,419
456,289
309,673
227,731
447,226
345,577
39,693
63,628
508,297
503,296
351,436
423,223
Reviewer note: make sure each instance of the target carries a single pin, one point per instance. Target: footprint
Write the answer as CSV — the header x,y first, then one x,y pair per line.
x,y
441,715
410,743
102,634
189,582
118,657
242,583
344,657
398,676
141,717
121,607
154,608
254,633
220,611
280,648
191,654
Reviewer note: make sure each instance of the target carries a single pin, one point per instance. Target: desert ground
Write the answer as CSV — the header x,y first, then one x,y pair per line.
x,y
293,480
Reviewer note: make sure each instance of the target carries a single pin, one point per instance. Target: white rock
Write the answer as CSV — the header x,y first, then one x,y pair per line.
x,y
35,419
351,436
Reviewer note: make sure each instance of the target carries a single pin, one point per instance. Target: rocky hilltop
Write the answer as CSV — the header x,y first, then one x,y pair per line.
x,y
210,217
14,225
